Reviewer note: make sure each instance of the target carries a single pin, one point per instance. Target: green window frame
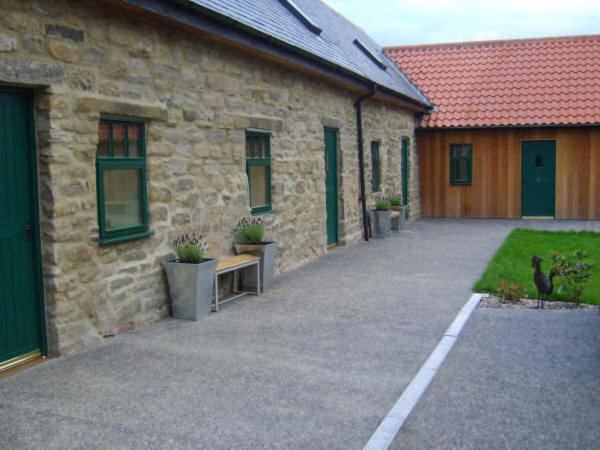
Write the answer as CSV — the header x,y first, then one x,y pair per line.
x,y
375,166
461,164
121,146
258,156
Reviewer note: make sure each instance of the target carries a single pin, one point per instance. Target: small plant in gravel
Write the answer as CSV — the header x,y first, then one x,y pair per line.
x,y
396,200
509,291
250,230
190,249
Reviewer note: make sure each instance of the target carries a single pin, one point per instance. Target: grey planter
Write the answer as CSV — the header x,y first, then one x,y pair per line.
x,y
381,224
192,288
268,253
398,222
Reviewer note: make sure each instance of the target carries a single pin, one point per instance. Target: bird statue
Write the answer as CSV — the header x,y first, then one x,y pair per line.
x,y
543,283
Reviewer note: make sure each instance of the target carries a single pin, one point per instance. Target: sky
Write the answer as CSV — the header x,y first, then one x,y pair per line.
x,y
401,22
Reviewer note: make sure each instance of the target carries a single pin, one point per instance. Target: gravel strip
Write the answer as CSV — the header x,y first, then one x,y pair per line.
x,y
496,302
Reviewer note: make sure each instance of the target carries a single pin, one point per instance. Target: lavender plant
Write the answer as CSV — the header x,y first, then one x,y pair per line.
x,y
250,230
396,200
189,249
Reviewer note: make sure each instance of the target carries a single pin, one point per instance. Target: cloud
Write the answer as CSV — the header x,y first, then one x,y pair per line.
x,y
399,22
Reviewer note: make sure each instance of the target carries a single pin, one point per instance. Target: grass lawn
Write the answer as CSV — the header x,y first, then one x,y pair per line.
x,y
513,260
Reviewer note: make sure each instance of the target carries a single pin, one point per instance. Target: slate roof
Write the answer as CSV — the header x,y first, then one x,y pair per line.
x,y
524,82
335,44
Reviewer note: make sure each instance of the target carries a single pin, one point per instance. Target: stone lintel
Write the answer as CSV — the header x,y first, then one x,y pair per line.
x,y
332,123
30,72
122,107
258,122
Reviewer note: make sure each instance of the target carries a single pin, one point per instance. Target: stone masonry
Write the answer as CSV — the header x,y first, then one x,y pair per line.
x,y
84,59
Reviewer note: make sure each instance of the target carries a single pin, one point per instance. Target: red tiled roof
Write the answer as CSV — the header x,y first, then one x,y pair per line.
x,y
546,81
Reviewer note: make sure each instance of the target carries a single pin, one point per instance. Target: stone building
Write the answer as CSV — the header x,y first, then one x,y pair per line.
x,y
126,123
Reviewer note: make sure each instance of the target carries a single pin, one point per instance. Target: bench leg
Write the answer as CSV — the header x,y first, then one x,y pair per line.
x,y
216,292
258,278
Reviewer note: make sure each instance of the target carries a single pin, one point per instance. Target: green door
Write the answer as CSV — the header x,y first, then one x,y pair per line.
x,y
331,186
20,315
405,171
538,178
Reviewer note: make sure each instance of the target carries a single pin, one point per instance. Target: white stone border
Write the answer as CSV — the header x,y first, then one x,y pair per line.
x,y
390,426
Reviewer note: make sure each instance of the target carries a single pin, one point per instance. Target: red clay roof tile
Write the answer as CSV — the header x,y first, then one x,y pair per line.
x,y
545,81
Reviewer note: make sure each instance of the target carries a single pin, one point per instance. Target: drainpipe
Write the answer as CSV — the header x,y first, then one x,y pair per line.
x,y
361,157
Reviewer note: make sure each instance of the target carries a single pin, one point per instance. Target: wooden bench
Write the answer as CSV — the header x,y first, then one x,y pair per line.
x,y
234,264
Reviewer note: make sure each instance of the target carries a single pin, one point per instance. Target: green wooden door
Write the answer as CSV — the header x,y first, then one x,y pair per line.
x,y
20,318
538,178
331,186
405,171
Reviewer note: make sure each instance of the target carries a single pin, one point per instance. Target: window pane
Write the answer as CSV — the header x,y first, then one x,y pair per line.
x,y
539,161
258,185
249,148
122,198
256,147
103,149
118,139
463,150
133,140
461,169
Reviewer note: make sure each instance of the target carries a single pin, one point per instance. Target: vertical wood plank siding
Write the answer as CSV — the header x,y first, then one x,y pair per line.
x,y
496,188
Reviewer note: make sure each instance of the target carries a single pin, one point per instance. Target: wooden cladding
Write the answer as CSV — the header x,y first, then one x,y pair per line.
x,y
495,191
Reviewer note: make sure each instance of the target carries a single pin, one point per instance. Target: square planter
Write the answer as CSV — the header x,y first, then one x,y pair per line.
x,y
267,252
381,224
398,222
191,287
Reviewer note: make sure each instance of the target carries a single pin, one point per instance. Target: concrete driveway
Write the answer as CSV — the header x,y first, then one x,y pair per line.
x,y
317,362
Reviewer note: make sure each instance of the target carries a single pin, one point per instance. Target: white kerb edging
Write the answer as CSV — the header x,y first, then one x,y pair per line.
x,y
391,424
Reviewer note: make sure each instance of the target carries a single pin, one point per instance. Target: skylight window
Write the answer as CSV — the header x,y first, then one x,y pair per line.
x,y
301,16
372,55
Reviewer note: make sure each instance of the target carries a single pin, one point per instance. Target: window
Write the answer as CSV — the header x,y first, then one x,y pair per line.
x,y
461,161
376,167
121,181
302,16
539,161
371,54
258,169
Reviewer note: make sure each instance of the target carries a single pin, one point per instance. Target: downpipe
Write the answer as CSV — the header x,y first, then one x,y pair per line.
x,y
361,158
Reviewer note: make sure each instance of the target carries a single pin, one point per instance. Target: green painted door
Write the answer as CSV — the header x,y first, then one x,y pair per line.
x,y
20,318
405,171
538,178
331,186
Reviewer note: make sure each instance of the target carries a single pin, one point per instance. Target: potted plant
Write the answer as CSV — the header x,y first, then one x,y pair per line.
x,y
396,203
191,278
249,234
381,224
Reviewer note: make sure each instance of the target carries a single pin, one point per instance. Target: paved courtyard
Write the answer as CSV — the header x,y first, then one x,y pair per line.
x,y
317,362
515,379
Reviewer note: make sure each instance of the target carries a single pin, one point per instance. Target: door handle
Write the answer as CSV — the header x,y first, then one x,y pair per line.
x,y
28,231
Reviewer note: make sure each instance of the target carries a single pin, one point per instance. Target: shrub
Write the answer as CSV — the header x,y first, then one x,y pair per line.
x,y
250,230
396,200
576,275
511,291
560,265
382,205
189,249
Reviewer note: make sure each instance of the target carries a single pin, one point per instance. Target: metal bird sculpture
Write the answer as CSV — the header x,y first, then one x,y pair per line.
x,y
543,283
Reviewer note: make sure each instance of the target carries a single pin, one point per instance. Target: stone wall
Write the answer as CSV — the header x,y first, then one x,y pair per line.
x,y
86,59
